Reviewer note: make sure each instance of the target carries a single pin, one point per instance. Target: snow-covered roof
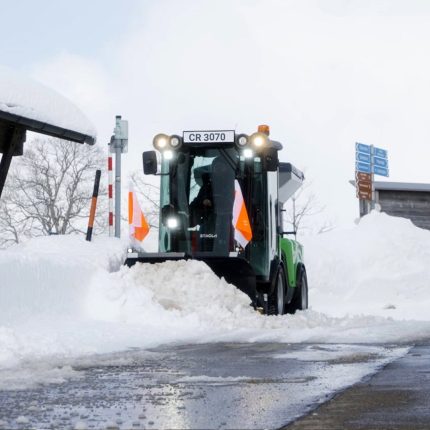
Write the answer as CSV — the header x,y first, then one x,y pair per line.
x,y
41,109
398,186
401,186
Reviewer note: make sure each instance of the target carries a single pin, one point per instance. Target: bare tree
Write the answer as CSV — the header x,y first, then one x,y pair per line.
x,y
304,212
148,195
49,190
13,226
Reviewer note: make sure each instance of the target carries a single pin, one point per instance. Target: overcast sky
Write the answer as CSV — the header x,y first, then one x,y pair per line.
x,y
323,74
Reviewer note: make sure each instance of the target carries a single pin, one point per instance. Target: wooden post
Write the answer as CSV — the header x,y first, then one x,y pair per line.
x,y
93,205
11,144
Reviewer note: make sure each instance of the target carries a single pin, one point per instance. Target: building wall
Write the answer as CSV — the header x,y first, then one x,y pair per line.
x,y
414,205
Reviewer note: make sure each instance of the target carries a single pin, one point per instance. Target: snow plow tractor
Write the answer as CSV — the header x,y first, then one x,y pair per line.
x,y
221,202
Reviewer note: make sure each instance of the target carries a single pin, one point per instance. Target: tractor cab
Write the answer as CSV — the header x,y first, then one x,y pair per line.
x,y
221,197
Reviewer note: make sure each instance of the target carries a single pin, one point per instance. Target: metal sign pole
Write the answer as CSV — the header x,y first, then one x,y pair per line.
x,y
118,145
372,175
118,191
110,195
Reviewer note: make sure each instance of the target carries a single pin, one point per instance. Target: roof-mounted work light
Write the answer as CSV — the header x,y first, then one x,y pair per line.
x,y
175,141
28,105
161,141
258,140
242,140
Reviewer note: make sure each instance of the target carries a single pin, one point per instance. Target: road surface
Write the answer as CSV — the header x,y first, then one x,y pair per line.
x,y
396,398
211,386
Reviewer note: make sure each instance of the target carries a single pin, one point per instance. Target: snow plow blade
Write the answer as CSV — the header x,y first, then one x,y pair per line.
x,y
234,270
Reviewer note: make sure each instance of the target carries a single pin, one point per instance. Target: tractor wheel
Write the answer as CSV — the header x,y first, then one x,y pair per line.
x,y
300,300
276,305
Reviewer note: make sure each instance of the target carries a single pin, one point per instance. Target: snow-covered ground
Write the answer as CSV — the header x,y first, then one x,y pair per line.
x,y
62,297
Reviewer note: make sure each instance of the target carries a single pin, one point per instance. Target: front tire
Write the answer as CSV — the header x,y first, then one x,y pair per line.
x,y
300,300
277,305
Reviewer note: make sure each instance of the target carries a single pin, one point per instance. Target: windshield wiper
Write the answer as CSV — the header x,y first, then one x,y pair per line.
x,y
227,158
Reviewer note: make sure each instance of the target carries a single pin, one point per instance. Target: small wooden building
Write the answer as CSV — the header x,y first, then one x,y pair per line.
x,y
402,199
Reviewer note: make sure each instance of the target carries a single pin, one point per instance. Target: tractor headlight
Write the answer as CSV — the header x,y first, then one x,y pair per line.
x,y
168,154
172,222
161,141
248,153
258,140
175,141
242,140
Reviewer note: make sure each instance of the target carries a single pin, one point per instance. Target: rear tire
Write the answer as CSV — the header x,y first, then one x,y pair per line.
x,y
277,304
300,300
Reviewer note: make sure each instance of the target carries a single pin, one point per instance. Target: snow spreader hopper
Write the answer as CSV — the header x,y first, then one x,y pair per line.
x,y
221,202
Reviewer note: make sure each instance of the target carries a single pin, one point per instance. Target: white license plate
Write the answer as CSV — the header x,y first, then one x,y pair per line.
x,y
209,136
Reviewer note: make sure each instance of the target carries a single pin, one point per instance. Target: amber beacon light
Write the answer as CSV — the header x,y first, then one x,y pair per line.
x,y
264,129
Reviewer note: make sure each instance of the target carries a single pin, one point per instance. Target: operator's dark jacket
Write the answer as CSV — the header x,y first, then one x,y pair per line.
x,y
199,213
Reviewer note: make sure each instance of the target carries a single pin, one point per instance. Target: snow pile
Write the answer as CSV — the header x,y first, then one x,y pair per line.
x,y
43,291
64,297
50,275
22,96
381,268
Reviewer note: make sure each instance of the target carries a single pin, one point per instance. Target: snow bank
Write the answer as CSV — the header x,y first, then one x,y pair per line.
x,y
64,297
22,96
379,268
43,290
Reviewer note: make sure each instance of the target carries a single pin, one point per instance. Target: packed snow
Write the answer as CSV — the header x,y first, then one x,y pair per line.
x,y
63,297
24,97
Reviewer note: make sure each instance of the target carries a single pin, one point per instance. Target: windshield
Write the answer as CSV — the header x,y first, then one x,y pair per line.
x,y
198,192
197,196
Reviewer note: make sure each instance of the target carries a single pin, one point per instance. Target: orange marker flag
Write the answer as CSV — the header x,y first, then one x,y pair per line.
x,y
241,224
139,228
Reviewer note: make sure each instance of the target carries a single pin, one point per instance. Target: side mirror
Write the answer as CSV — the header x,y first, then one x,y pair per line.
x,y
149,162
283,233
269,159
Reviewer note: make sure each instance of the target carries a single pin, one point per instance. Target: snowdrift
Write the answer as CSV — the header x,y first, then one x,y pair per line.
x,y
381,267
64,297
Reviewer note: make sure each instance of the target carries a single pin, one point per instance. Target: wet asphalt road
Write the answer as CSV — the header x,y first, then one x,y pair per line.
x,y
397,398
210,386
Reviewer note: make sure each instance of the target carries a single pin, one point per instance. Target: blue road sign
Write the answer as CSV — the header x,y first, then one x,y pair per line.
x,y
361,156
381,171
380,162
381,153
362,167
361,147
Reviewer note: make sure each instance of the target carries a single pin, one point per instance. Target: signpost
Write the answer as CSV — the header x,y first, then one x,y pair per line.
x,y
363,167
381,171
362,157
382,153
380,162
369,161
365,177
363,183
118,145
361,147
364,195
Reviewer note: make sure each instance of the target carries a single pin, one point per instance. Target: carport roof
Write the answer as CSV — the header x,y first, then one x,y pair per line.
x,y
399,186
402,186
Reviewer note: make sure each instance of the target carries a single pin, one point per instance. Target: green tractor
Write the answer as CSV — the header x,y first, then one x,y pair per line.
x,y
221,200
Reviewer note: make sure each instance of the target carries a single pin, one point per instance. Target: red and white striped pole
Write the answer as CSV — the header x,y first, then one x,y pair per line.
x,y
110,193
